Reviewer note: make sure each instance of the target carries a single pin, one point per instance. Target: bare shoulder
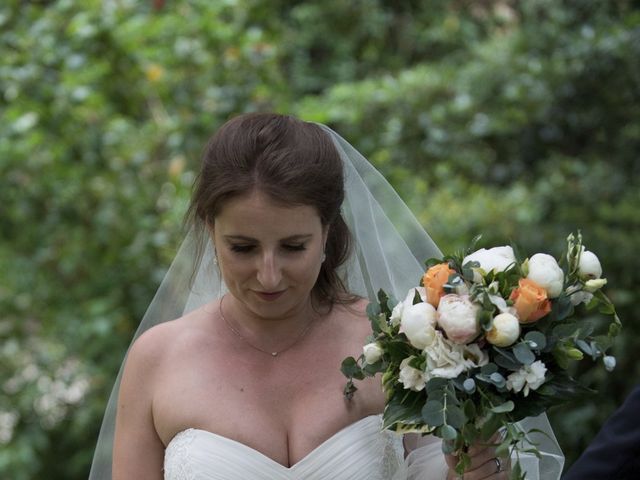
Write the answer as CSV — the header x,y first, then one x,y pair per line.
x,y
353,318
160,341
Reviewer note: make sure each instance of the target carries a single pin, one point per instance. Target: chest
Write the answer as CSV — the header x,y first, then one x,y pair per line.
x,y
283,407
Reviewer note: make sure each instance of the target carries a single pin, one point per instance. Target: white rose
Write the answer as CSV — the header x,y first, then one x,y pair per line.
x,y
589,265
372,353
446,359
529,377
545,271
505,330
411,378
496,259
418,324
458,317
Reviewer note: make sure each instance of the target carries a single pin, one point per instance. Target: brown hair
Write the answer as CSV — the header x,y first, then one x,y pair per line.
x,y
292,161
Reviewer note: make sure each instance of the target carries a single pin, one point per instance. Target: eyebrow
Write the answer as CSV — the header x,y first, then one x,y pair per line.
x,y
292,238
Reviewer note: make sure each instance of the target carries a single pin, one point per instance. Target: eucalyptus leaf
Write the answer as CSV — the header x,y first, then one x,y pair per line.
x,y
447,432
537,340
455,416
469,385
489,368
433,413
507,406
523,353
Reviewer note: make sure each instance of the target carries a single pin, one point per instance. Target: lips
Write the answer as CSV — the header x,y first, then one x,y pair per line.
x,y
269,296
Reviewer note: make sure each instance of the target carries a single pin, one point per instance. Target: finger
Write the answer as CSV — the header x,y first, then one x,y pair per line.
x,y
481,457
492,442
491,469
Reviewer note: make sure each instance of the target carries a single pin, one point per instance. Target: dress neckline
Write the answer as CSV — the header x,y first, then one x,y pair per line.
x,y
236,444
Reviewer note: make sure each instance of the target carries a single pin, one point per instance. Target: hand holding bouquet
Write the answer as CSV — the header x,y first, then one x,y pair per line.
x,y
485,341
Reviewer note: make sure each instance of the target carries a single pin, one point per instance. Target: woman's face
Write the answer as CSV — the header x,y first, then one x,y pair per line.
x,y
269,254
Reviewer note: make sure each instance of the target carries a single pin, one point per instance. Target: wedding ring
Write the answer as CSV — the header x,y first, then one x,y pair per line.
x,y
498,464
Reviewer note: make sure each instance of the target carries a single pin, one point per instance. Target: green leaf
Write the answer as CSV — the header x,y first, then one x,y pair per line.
x,y
455,416
447,432
536,340
489,368
436,385
507,406
416,297
373,310
469,409
524,354
433,413
351,369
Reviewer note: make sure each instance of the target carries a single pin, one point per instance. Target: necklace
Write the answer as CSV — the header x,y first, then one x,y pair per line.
x,y
273,353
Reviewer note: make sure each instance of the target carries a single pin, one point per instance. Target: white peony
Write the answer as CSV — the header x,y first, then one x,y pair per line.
x,y
396,313
496,259
372,352
529,377
447,359
418,324
589,265
545,271
458,317
504,331
411,378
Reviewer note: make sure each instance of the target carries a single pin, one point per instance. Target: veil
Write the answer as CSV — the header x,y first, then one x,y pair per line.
x,y
390,247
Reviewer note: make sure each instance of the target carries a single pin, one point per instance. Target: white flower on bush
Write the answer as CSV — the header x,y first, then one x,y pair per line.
x,y
458,317
545,271
504,331
496,259
418,324
529,377
372,352
410,377
589,266
447,359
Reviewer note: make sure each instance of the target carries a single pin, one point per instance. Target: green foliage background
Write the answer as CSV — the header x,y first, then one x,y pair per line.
x,y
517,120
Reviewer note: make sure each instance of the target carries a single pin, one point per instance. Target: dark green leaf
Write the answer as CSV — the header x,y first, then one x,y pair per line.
x,y
537,340
433,413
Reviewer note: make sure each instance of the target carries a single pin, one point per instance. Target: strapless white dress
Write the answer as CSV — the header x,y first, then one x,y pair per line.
x,y
357,452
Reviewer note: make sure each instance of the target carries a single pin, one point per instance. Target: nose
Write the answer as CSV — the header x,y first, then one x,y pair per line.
x,y
269,274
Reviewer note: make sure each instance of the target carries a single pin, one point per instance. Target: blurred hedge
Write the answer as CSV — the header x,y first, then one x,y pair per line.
x,y
518,120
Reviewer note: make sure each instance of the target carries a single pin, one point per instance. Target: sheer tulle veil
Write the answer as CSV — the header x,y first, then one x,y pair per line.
x,y
390,247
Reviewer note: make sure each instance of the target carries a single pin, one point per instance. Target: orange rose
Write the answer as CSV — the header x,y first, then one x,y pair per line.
x,y
530,301
434,281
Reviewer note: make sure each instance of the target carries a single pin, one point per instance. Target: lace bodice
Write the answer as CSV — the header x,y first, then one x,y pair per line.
x,y
359,451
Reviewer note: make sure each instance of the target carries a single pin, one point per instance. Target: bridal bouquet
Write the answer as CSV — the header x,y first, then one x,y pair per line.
x,y
485,341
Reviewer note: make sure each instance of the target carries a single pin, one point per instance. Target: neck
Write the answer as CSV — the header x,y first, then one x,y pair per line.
x,y
271,334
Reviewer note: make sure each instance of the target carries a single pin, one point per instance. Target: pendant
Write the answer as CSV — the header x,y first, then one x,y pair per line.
x,y
274,354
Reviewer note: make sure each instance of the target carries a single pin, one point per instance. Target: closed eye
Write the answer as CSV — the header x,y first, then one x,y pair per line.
x,y
295,247
242,248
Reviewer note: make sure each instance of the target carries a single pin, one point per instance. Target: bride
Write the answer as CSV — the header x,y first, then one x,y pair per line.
x,y
292,229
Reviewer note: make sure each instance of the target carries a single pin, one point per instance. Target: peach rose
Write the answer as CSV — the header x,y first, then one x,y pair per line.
x,y
530,301
434,281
